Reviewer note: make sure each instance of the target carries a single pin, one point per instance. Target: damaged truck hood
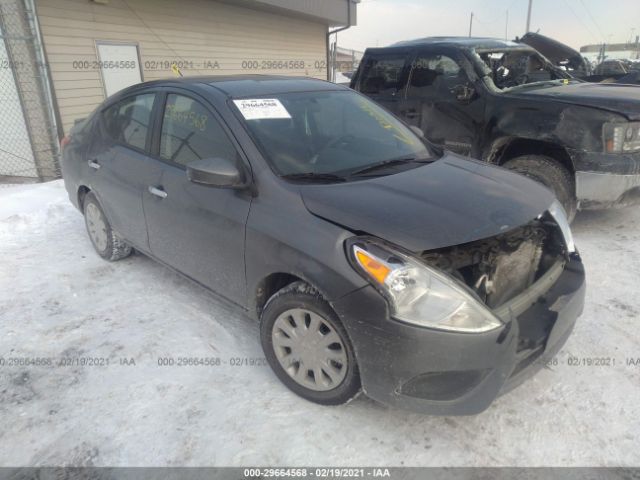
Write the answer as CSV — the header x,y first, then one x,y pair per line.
x,y
616,98
448,202
554,50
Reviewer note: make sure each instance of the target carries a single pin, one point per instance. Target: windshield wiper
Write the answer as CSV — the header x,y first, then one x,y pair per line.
x,y
388,163
314,177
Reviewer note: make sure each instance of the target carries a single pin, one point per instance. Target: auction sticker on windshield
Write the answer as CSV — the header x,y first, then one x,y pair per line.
x,y
261,108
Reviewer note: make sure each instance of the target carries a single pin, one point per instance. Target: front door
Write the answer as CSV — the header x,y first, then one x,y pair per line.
x,y
435,101
197,229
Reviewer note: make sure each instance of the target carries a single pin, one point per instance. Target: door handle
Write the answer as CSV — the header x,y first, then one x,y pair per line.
x,y
93,164
158,192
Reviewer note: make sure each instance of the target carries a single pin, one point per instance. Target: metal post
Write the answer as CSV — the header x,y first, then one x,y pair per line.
x,y
506,27
529,17
470,23
331,32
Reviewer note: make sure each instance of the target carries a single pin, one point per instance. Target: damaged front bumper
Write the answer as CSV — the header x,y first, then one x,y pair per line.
x,y
448,373
607,180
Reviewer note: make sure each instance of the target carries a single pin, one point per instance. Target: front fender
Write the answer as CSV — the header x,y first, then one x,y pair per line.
x,y
287,238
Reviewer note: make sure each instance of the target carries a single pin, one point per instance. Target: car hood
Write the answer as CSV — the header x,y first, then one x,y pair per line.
x,y
623,99
554,50
448,202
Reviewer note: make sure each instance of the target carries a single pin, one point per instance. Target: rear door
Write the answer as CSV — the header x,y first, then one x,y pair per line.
x,y
383,76
197,229
120,167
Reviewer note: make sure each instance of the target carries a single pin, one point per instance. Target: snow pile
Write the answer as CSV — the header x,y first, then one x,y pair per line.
x,y
59,301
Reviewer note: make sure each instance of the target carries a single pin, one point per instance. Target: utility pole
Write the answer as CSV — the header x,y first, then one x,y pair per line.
x,y
470,23
506,27
529,17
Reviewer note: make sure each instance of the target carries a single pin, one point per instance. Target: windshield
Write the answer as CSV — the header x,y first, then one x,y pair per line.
x,y
327,133
515,68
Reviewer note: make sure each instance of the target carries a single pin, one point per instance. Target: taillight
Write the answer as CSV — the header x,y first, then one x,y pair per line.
x,y
65,141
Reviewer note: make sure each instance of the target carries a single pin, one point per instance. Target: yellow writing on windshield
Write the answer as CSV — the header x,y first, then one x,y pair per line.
x,y
382,120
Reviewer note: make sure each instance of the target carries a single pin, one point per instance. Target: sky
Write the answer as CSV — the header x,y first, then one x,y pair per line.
x,y
573,22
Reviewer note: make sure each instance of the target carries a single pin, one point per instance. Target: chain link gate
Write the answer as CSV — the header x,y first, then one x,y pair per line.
x,y
29,149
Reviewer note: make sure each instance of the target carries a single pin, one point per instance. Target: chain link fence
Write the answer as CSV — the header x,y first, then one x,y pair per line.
x,y
29,148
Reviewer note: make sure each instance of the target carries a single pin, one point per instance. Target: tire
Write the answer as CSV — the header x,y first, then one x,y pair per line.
x,y
551,174
106,242
300,310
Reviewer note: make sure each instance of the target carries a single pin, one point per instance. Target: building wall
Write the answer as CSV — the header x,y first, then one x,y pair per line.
x,y
614,54
204,37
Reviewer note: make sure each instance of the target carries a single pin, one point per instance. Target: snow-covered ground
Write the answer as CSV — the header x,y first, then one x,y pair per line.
x,y
58,300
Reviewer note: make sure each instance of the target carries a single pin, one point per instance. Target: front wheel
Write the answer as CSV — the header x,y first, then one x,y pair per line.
x,y
307,346
551,174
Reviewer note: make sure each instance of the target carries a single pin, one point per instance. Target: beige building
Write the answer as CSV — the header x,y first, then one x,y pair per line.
x,y
611,51
90,49
346,59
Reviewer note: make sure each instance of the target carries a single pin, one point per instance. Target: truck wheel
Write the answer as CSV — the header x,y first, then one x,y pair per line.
x,y
106,242
307,346
551,174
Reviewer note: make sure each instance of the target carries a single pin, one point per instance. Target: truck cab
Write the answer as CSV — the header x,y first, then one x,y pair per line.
x,y
505,103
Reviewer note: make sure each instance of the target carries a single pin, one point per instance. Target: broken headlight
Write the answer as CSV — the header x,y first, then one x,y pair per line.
x,y
559,215
621,137
419,294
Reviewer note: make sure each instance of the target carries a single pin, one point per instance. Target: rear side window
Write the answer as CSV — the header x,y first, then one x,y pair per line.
x,y
382,74
435,76
190,132
128,121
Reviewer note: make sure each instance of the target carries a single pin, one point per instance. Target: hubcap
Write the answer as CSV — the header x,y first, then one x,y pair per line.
x,y
309,349
96,226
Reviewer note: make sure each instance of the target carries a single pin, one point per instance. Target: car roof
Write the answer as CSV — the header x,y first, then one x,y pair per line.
x,y
239,86
477,43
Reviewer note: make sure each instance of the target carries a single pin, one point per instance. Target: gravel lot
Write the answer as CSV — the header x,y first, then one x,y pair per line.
x,y
59,300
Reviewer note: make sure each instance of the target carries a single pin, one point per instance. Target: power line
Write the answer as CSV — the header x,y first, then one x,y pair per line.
x,y
580,20
156,35
592,19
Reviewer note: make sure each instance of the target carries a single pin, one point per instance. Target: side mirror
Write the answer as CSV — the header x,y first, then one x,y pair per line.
x,y
217,172
417,130
464,93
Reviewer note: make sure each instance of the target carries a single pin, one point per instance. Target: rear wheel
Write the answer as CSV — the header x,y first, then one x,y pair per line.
x,y
551,174
105,241
307,346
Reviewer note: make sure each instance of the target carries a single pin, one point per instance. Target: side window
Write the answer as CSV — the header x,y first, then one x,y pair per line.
x,y
128,120
434,74
382,73
189,132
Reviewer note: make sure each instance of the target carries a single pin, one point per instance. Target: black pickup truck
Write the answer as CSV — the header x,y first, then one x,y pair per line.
x,y
505,103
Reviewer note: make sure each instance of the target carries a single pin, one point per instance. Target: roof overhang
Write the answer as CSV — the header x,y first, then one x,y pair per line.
x,y
333,13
